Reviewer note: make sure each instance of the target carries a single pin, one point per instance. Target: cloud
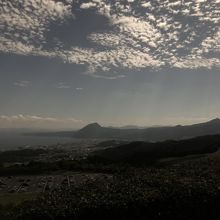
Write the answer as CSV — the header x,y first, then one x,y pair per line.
x,y
22,83
34,121
211,43
23,23
88,5
143,34
196,62
62,85
69,1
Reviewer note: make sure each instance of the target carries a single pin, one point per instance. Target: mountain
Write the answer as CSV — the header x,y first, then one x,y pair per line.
x,y
94,130
146,152
132,127
91,130
151,134
182,132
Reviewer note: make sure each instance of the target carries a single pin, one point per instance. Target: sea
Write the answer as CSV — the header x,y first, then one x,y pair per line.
x,y
16,141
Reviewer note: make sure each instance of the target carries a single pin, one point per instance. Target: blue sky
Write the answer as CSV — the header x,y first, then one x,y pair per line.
x,y
68,63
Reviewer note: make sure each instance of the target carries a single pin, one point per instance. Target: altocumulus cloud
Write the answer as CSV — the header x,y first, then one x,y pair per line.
x,y
144,34
35,121
23,24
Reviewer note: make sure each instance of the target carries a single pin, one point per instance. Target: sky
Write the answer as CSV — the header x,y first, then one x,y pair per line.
x,y
67,63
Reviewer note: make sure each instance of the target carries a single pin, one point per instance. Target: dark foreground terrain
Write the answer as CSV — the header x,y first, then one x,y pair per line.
x,y
183,185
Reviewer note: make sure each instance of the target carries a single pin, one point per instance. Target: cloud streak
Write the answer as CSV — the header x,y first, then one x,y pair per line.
x,y
62,85
22,83
35,121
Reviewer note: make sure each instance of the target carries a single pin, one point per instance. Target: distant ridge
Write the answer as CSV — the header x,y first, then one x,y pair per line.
x,y
151,134
177,132
214,121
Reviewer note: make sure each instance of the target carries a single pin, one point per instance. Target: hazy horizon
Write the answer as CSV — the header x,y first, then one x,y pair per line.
x,y
58,128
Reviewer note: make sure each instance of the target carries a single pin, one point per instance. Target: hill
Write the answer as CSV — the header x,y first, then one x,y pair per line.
x,y
145,152
95,130
182,132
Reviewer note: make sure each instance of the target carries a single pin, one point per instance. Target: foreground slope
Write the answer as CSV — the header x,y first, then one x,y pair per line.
x,y
184,190
145,152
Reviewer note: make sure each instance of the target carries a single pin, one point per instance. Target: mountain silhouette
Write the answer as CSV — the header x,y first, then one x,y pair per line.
x,y
91,130
151,134
90,127
95,130
183,132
